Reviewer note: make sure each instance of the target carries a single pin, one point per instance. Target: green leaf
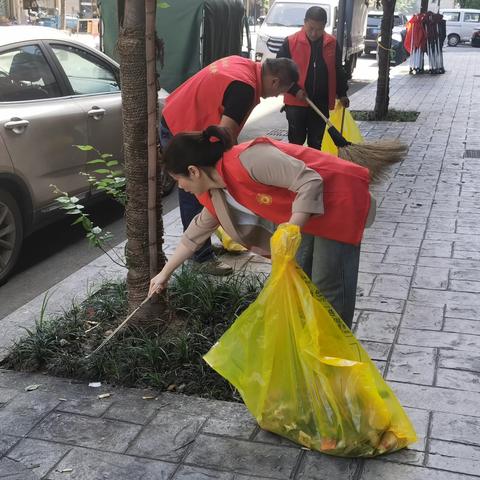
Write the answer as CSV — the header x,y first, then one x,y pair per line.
x,y
74,199
111,163
106,155
97,160
74,212
84,148
78,220
163,5
102,171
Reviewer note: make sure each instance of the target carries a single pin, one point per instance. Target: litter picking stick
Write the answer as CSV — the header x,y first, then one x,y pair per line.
x,y
119,327
375,156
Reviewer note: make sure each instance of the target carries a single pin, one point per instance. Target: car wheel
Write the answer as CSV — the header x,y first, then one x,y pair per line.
x,y
167,184
453,40
11,233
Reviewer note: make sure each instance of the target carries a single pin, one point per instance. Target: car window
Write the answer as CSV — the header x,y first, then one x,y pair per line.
x,y
397,21
451,16
471,17
87,74
26,75
374,21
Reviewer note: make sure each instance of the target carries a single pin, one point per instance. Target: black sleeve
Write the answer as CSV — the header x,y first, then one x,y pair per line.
x,y
284,51
342,84
238,100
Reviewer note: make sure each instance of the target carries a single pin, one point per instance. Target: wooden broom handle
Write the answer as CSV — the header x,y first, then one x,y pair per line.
x,y
317,111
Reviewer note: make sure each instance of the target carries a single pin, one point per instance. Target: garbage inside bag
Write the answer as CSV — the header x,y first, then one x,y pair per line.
x,y
302,373
350,130
227,243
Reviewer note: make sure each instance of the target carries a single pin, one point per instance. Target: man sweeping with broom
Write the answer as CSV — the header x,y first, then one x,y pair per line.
x,y
322,78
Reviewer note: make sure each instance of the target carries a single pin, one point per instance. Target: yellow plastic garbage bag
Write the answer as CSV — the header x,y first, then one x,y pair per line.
x,y
302,373
350,129
228,243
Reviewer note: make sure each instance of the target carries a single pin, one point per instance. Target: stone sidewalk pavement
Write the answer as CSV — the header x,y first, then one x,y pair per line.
x,y
418,315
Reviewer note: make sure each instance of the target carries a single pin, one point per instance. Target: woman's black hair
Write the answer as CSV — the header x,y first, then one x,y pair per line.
x,y
202,149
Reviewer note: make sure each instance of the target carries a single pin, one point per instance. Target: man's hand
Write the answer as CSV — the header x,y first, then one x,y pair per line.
x,y
301,95
345,101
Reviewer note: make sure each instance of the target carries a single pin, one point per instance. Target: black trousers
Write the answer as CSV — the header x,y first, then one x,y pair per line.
x,y
305,124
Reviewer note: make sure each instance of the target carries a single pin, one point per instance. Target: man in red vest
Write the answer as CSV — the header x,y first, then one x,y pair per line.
x,y
322,78
223,93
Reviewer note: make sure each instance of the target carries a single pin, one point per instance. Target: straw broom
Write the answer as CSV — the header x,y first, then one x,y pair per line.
x,y
376,156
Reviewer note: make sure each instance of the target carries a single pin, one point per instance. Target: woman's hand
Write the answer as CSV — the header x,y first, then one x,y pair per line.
x,y
158,283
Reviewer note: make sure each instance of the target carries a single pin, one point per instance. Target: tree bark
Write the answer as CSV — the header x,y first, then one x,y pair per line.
x,y
383,84
131,47
423,6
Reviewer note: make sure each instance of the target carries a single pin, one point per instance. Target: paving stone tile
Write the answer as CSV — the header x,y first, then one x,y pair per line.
x,y
455,457
407,456
377,326
462,326
38,456
425,338
90,406
401,255
465,312
368,257
459,360
465,254
457,428
385,268
243,457
420,420
167,436
458,379
93,465
421,316
376,469
381,304
466,274
7,442
6,394
195,473
441,224
19,416
391,286
240,426
431,248
83,431
269,437
412,364
437,399
315,466
464,286
135,410
431,278
410,231
439,262
373,248
376,350
437,297
12,470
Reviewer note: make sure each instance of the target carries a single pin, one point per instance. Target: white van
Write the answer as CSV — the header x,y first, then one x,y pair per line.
x,y
286,17
461,23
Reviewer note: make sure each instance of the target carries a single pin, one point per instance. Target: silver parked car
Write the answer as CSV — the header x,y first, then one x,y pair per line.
x,y
54,93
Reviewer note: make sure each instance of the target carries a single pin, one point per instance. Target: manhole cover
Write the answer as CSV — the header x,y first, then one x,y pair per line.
x,y
278,132
471,154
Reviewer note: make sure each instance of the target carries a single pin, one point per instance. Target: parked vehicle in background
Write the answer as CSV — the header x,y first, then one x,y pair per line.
x,y
461,23
54,93
475,41
71,23
286,17
374,21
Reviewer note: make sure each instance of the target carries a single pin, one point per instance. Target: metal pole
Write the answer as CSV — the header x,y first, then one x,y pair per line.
x,y
341,24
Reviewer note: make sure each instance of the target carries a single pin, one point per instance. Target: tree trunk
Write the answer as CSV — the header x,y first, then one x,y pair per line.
x,y
383,83
131,47
423,6
63,24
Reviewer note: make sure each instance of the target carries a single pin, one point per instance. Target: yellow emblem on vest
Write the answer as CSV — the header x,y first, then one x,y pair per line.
x,y
264,199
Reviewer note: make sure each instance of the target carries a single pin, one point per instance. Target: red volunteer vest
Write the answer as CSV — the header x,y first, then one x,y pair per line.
x,y
300,50
346,197
197,103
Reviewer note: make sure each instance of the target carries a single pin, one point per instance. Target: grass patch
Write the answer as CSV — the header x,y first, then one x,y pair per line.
x,y
203,307
392,116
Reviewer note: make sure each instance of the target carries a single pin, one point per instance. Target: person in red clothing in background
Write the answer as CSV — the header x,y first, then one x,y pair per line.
x,y
224,93
322,78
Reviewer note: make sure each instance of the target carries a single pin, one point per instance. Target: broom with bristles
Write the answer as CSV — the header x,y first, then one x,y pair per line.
x,y
376,156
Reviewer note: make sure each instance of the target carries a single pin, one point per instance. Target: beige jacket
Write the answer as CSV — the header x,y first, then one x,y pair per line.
x,y
268,165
